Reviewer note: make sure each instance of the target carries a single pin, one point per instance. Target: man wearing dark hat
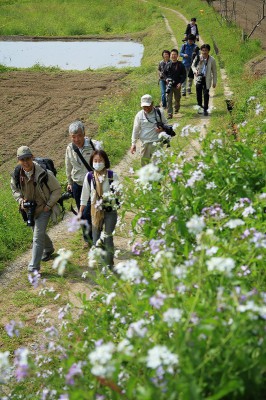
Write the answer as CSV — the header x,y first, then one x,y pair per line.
x,y
37,191
145,128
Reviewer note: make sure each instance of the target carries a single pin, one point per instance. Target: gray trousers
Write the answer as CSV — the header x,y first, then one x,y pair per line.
x,y
177,94
109,223
184,84
41,242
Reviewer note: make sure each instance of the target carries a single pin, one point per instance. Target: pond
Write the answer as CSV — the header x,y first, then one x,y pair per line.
x,y
71,55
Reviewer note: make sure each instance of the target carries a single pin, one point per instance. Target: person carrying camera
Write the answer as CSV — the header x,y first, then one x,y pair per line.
x,y
76,170
206,76
175,73
189,51
99,189
192,28
162,81
147,128
37,192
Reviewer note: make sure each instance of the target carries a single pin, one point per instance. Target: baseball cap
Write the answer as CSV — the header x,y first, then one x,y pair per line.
x,y
23,152
146,100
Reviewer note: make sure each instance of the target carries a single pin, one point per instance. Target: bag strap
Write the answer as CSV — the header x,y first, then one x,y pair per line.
x,y
156,110
110,174
76,150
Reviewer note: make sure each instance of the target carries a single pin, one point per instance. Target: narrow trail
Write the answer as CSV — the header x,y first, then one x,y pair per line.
x,y
60,233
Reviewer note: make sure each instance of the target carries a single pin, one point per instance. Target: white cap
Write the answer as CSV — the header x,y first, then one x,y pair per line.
x,y
146,100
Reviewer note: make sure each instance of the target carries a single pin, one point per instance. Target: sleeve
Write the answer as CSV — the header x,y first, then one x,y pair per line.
x,y
86,191
17,194
167,70
136,129
164,120
194,65
54,188
187,31
182,50
68,166
183,73
214,72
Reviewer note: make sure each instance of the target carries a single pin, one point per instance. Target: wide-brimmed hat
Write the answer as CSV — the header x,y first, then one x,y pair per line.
x,y
23,152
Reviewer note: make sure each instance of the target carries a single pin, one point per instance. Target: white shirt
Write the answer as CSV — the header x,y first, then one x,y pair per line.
x,y
88,190
145,129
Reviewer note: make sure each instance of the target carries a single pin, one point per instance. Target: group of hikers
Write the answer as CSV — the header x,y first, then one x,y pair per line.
x,y
90,180
176,77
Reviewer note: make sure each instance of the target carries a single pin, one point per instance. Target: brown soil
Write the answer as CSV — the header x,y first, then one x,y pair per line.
x,y
37,108
246,14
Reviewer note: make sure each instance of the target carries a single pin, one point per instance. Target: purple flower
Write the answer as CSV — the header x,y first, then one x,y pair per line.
x,y
11,328
64,397
75,369
34,279
157,301
155,245
141,221
137,248
21,372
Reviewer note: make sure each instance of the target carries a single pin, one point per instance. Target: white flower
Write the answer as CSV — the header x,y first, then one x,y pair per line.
x,y
163,135
172,315
156,275
160,356
251,99
212,250
251,306
196,224
163,258
262,196
95,256
101,360
210,185
128,270
125,347
98,144
61,260
180,272
247,211
149,173
221,264
233,223
137,329
258,109
4,366
109,298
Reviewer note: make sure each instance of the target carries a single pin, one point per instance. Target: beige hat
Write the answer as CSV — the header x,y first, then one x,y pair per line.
x,y
23,152
146,100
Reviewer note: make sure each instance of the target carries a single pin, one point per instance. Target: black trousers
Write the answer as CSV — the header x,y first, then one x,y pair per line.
x,y
202,90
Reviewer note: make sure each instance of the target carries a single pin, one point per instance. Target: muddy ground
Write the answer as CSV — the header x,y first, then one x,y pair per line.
x,y
37,108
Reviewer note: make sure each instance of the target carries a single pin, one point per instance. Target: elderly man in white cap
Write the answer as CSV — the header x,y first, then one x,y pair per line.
x,y
146,128
37,191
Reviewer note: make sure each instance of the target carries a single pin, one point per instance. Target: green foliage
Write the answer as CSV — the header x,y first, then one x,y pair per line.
x,y
79,17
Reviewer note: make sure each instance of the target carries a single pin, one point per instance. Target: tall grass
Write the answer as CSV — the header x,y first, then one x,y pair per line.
x,y
77,17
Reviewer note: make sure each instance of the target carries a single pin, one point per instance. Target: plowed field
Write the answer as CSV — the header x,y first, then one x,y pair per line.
x,y
37,108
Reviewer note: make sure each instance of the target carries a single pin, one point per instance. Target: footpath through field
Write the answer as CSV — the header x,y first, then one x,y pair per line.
x,y
14,278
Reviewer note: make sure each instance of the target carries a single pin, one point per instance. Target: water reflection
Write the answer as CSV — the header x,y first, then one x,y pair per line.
x,y
71,55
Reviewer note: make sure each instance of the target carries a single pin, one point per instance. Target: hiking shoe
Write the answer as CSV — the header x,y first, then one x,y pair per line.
x,y
47,256
184,94
170,116
200,110
206,113
176,110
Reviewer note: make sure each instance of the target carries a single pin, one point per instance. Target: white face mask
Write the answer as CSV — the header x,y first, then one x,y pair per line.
x,y
98,166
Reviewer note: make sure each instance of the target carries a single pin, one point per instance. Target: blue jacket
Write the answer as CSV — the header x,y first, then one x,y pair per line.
x,y
191,51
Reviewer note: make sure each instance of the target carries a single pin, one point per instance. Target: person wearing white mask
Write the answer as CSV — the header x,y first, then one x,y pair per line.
x,y
100,187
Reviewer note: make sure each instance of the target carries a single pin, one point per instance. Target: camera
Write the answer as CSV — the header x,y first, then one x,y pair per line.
x,y
199,78
107,208
167,128
30,208
66,196
169,85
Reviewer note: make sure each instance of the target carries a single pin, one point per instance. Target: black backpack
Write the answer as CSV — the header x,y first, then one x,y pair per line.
x,y
45,163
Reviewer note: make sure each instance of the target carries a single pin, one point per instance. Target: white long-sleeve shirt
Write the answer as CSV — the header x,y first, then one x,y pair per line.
x,y
88,190
146,130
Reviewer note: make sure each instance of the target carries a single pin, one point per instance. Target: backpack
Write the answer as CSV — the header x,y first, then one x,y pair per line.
x,y
45,163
